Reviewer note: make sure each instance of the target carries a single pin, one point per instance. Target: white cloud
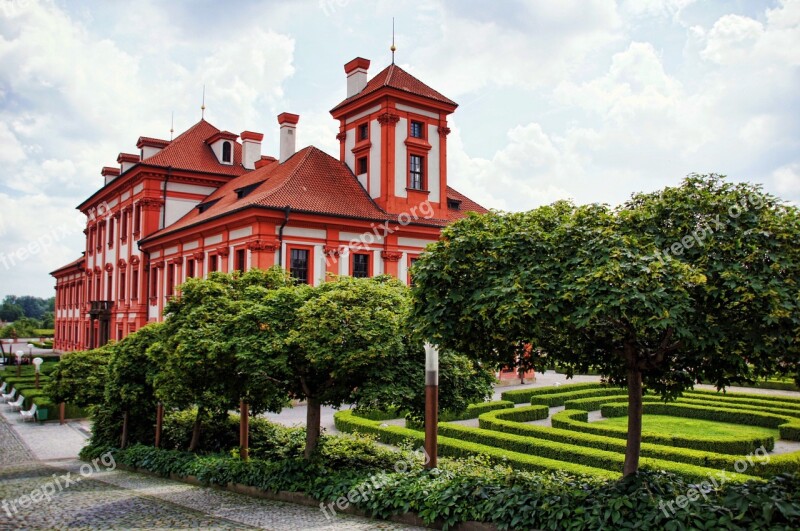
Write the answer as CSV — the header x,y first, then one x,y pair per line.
x,y
787,179
10,148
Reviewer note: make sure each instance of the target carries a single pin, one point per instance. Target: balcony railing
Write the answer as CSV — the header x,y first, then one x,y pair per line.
x,y
98,308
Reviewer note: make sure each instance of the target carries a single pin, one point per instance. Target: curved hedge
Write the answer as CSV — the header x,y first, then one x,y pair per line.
x,y
504,421
523,396
558,399
575,419
569,453
347,421
789,427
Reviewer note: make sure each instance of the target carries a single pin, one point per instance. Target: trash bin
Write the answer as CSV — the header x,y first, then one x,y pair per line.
x,y
41,414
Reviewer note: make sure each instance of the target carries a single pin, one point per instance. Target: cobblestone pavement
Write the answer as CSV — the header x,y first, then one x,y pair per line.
x,y
114,499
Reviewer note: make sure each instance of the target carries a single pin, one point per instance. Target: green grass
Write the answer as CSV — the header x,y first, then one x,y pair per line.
x,y
693,427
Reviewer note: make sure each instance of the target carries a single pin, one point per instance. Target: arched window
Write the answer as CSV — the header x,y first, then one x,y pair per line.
x,y
226,152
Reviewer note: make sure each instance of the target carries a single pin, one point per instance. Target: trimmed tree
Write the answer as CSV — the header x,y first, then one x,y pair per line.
x,y
326,342
196,359
79,378
129,400
591,287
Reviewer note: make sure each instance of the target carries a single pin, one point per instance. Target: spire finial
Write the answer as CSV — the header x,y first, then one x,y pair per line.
x,y
203,106
393,48
171,126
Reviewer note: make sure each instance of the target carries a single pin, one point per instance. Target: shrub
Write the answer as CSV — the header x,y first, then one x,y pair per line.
x,y
523,396
473,411
789,427
569,453
558,399
354,451
573,419
504,421
347,422
473,490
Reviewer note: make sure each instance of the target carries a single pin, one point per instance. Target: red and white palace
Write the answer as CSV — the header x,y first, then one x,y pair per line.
x,y
210,201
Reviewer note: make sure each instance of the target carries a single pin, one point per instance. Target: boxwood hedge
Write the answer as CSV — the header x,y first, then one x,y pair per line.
x,y
575,419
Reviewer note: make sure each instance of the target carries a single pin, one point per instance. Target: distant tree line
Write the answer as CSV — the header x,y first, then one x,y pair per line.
x,y
27,313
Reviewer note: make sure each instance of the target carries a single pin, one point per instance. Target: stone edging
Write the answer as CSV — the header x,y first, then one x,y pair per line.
x,y
300,498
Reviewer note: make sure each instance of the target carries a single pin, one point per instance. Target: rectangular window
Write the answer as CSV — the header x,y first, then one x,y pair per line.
x,y
362,166
360,265
415,172
109,287
137,219
214,263
363,131
97,288
154,282
190,268
135,285
417,130
123,231
298,265
170,280
91,239
122,285
89,288
240,260
111,232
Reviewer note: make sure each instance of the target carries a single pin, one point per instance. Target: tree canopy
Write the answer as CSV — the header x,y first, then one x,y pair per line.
x,y
592,287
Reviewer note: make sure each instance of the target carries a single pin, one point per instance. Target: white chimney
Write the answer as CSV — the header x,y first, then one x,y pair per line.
x,y
356,71
288,123
251,149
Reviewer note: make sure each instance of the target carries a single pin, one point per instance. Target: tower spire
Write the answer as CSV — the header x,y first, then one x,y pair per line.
x,y
171,126
203,106
393,48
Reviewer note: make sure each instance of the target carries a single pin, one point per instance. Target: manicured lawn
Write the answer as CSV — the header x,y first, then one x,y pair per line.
x,y
681,426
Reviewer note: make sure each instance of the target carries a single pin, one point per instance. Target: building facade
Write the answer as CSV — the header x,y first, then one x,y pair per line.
x,y
210,201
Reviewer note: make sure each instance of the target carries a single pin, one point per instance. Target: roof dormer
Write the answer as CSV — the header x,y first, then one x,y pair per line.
x,y
150,146
127,160
222,145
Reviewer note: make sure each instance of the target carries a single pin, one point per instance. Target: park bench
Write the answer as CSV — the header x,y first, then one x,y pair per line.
x,y
16,406
8,397
3,388
30,414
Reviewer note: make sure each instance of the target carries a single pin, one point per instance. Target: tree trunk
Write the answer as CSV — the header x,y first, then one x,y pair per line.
x,y
198,421
634,443
313,419
124,439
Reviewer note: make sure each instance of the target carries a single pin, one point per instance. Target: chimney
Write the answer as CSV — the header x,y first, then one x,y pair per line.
x,y
288,123
356,71
251,149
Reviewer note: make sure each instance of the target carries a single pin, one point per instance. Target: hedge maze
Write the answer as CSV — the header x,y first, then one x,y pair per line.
x,y
571,443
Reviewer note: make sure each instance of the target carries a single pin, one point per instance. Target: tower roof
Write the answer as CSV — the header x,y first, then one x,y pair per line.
x,y
396,78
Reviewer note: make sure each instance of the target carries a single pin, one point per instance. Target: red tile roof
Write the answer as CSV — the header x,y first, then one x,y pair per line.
x,y
75,264
310,181
395,77
189,151
467,205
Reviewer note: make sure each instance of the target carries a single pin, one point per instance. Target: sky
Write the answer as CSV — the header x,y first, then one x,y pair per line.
x,y
585,99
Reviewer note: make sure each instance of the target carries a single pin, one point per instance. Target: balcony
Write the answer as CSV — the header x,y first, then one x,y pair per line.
x,y
100,308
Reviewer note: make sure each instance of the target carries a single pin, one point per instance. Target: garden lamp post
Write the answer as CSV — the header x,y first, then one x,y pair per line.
x,y
19,361
37,362
30,350
244,430
431,403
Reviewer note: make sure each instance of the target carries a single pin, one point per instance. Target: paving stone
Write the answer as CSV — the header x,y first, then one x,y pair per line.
x,y
115,499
